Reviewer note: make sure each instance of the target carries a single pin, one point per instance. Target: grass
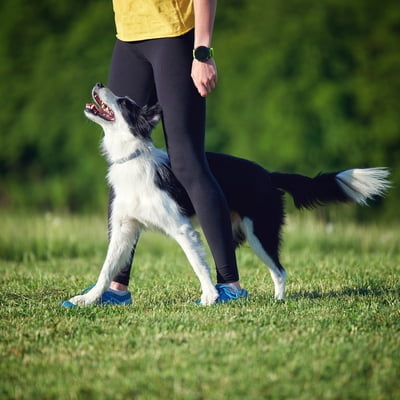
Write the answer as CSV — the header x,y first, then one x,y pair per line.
x,y
336,336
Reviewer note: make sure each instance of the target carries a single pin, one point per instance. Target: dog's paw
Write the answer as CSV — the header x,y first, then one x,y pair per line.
x,y
82,300
209,297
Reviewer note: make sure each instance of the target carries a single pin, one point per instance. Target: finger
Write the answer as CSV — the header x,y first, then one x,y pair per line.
x,y
202,90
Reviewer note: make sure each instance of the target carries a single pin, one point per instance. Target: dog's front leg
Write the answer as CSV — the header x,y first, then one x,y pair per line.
x,y
124,236
190,242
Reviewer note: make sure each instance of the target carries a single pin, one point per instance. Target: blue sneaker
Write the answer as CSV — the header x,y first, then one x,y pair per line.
x,y
109,297
229,293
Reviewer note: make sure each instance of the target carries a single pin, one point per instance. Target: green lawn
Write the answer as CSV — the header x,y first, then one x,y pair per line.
x,y
336,336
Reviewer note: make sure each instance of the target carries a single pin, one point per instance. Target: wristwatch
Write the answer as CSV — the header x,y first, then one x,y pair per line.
x,y
203,53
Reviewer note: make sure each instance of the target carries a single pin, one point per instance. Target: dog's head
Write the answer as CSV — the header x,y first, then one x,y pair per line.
x,y
121,115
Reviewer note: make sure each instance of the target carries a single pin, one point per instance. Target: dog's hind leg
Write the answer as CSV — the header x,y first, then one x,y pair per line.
x,y
192,246
124,236
260,248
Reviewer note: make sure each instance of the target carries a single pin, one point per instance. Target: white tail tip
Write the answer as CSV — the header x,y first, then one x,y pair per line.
x,y
362,185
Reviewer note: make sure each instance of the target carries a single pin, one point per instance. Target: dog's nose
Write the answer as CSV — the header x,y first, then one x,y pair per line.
x,y
99,85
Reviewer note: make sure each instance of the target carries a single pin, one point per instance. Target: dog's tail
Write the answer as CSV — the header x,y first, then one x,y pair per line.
x,y
355,185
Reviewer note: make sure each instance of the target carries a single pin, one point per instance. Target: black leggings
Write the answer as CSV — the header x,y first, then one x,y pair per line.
x,y
159,70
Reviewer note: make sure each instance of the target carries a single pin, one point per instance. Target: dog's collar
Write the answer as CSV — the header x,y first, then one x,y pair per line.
x,y
132,156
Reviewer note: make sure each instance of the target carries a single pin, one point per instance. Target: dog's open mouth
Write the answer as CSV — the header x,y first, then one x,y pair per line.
x,y
100,108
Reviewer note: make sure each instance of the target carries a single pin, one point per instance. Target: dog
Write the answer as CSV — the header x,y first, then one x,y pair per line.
x,y
149,197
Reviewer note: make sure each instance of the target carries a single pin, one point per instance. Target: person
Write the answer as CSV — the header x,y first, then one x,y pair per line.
x,y
163,54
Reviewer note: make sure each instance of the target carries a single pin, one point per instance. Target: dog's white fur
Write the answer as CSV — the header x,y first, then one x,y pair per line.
x,y
360,184
139,204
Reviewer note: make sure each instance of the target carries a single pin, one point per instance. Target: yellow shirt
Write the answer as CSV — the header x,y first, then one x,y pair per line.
x,y
152,19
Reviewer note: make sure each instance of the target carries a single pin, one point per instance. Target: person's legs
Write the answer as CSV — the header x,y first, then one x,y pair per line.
x,y
184,127
130,75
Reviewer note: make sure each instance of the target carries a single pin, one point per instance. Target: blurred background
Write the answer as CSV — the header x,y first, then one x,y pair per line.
x,y
304,86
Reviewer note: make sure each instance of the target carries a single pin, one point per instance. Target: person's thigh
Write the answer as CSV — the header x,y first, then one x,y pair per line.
x,y
131,74
183,107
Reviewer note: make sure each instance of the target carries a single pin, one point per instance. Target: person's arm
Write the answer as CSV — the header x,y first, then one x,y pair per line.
x,y
204,74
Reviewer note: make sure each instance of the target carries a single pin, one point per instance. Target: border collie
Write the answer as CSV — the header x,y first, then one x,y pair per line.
x,y
148,196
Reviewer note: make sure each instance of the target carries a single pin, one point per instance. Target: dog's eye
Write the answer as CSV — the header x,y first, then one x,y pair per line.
x,y
127,103
123,102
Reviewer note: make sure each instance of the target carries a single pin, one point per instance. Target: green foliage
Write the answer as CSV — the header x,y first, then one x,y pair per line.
x,y
335,337
303,87
52,53
309,86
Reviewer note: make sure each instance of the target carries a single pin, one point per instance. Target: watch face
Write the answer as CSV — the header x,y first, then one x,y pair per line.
x,y
202,53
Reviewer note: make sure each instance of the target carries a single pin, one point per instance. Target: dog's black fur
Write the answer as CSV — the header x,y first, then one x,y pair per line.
x,y
255,193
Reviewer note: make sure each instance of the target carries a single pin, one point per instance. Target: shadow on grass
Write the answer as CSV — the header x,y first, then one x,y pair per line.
x,y
362,291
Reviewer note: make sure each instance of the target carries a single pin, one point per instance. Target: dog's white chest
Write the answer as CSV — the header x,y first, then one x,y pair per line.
x,y
138,197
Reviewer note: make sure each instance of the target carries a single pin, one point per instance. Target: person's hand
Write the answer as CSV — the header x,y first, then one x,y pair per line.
x,y
204,75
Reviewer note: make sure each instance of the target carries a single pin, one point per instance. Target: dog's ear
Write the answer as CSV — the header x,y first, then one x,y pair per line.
x,y
152,114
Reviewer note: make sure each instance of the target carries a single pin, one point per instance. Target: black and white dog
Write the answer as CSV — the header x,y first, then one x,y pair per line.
x,y
148,196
